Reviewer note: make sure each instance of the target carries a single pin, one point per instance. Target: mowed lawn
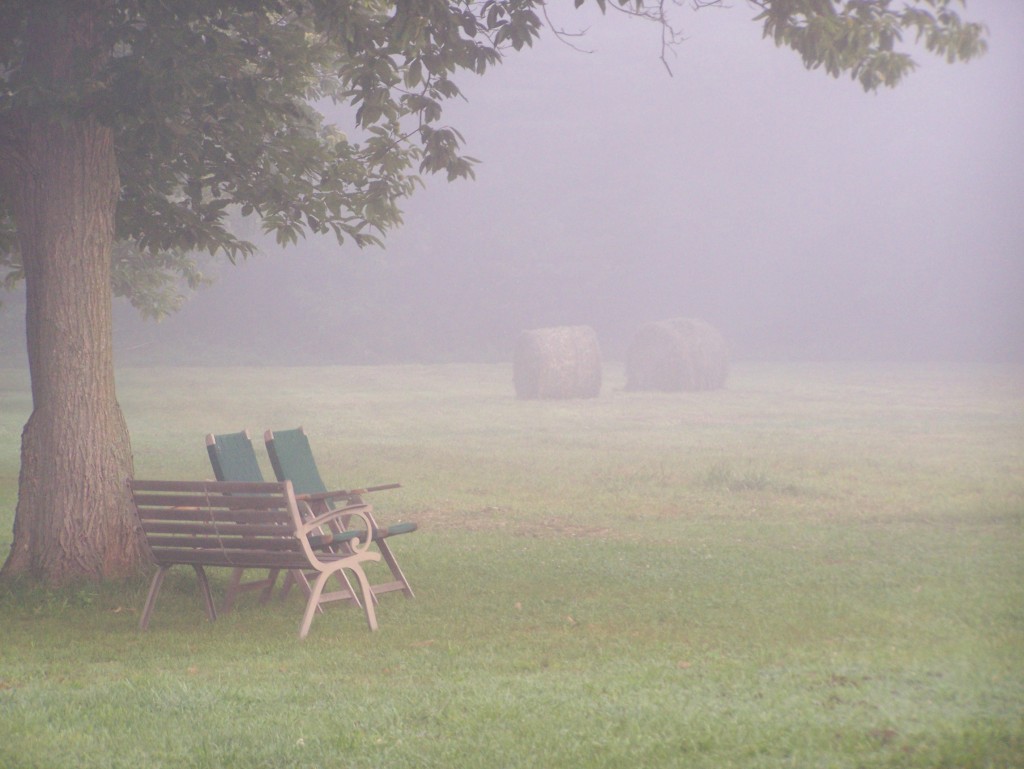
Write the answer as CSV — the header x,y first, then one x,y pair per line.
x,y
821,565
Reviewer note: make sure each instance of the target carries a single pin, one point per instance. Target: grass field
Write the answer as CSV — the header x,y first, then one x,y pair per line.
x,y
819,566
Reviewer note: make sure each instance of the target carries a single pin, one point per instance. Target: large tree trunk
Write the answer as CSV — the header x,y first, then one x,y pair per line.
x,y
73,519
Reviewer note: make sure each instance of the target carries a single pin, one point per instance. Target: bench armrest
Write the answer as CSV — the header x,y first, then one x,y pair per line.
x,y
345,514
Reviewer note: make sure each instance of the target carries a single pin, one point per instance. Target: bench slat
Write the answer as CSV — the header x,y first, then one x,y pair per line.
x,y
226,528
247,558
197,487
212,501
150,514
243,558
225,543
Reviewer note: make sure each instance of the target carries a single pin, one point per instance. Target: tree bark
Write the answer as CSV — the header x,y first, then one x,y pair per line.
x,y
73,520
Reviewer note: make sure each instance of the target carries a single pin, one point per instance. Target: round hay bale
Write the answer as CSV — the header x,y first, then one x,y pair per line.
x,y
677,354
559,362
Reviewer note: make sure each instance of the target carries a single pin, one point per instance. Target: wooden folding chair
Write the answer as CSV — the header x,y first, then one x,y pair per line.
x,y
292,459
234,459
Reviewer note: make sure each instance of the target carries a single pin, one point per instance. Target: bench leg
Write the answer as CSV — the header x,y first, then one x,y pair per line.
x,y
154,588
158,581
298,577
313,603
317,589
368,599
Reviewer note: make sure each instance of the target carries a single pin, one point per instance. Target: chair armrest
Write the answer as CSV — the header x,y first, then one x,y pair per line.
x,y
311,521
346,493
322,496
381,487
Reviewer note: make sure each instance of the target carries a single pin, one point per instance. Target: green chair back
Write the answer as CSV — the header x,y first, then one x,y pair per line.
x,y
292,459
233,457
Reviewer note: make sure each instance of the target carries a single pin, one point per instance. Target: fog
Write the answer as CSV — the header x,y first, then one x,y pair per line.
x,y
805,219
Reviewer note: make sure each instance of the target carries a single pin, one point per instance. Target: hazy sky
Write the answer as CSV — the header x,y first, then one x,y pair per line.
x,y
801,216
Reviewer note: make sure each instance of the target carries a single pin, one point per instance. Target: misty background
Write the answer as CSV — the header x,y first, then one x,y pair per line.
x,y
803,218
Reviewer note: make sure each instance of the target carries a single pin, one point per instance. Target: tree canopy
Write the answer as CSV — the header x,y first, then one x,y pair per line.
x,y
214,106
218,105
135,132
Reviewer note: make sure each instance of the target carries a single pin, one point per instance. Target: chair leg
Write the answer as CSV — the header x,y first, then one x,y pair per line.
x,y
236,586
269,589
289,580
154,589
204,587
295,577
232,590
396,570
347,586
399,582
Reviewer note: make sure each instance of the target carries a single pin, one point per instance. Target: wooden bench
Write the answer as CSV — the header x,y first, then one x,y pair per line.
x,y
250,525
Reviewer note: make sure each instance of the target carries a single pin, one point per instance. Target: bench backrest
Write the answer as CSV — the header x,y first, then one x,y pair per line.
x,y
215,523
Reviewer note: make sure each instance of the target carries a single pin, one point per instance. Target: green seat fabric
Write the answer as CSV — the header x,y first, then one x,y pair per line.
x,y
292,459
233,458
